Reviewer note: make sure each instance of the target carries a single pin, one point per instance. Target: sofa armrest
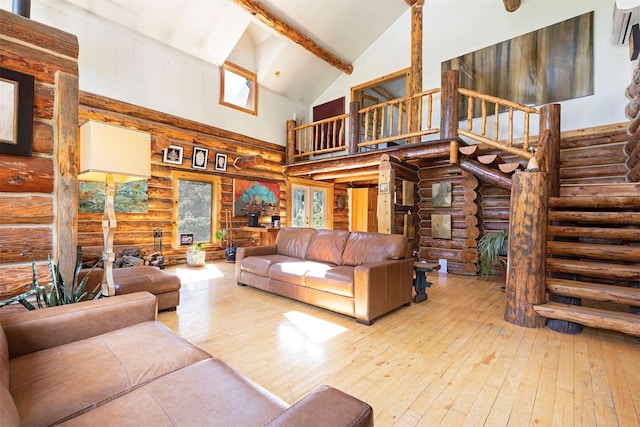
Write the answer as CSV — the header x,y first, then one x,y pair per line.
x,y
30,331
381,287
326,407
246,251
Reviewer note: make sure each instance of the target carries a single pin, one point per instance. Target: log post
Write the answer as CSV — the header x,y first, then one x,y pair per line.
x,y
66,121
415,83
354,127
386,190
550,120
449,104
291,141
526,269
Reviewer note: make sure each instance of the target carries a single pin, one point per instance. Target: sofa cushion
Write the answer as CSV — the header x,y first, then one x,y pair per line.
x,y
327,246
260,264
206,393
294,242
8,412
53,384
337,280
294,271
367,248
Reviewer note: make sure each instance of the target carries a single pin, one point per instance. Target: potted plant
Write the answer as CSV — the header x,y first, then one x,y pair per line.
x,y
196,255
490,248
220,237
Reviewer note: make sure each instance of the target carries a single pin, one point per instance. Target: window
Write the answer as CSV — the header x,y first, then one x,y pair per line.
x,y
310,204
238,88
196,201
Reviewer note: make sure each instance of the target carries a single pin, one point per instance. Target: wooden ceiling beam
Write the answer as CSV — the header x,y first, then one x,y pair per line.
x,y
273,21
511,5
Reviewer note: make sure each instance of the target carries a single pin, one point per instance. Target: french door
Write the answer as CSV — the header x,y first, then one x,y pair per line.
x,y
311,205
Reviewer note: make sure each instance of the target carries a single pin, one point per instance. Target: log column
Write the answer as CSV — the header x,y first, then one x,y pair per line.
x,y
415,83
354,127
386,190
550,120
526,269
291,141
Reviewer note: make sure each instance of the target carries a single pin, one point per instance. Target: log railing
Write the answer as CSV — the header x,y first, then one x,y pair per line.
x,y
391,121
324,136
502,135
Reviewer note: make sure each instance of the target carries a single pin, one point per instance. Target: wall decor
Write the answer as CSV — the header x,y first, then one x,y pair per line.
x,y
130,197
261,198
173,155
551,64
441,194
16,112
199,158
221,162
186,239
441,226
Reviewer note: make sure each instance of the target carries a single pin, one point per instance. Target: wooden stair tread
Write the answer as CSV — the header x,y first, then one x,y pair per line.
x,y
632,218
594,250
592,202
592,268
594,232
594,291
627,323
470,151
488,159
510,167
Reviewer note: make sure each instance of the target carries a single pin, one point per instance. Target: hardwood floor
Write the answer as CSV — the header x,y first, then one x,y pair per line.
x,y
449,361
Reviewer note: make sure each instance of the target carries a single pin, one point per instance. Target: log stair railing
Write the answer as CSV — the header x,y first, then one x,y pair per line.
x,y
594,262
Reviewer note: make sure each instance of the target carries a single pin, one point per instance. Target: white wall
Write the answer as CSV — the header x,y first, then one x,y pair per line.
x,y
456,27
123,65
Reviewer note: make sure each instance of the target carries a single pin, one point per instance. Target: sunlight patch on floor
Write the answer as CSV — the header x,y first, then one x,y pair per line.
x,y
191,274
315,329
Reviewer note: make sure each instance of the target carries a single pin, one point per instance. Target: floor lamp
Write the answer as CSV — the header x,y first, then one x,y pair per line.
x,y
112,154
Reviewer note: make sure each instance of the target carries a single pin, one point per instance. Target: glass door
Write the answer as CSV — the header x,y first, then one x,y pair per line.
x,y
309,207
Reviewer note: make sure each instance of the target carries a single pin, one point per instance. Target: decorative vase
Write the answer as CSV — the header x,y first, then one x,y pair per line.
x,y
230,253
196,259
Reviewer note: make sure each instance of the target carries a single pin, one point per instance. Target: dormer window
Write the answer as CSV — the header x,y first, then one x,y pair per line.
x,y
238,88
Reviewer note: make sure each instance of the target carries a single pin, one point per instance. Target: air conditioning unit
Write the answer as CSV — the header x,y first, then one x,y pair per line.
x,y
625,14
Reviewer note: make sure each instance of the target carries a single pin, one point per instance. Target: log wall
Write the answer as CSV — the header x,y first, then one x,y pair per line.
x,y
136,229
33,190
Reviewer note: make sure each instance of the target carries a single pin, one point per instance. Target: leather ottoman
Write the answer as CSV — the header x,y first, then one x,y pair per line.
x,y
164,286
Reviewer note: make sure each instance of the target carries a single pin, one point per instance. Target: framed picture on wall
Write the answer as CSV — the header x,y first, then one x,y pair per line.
x,y
173,155
16,112
199,159
221,162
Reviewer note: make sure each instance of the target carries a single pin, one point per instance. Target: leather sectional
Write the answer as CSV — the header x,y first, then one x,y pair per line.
x,y
362,275
109,362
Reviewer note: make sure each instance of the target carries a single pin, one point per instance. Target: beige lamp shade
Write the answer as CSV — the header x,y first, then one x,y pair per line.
x,y
107,149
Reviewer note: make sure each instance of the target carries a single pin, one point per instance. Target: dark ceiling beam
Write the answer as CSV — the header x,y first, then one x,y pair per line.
x,y
511,5
273,21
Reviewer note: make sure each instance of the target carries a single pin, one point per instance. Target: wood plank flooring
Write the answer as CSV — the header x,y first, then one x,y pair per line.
x,y
450,361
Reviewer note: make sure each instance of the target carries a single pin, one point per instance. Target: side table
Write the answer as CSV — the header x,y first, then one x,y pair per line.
x,y
420,282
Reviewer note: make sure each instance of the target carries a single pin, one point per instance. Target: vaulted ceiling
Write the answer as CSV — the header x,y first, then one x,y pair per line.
x,y
220,30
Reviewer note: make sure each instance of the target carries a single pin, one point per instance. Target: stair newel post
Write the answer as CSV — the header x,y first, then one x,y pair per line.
x,y
550,120
291,140
354,127
449,104
526,269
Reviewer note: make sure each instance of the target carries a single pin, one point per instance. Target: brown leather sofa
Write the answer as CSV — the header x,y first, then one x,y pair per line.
x,y
363,275
109,362
166,287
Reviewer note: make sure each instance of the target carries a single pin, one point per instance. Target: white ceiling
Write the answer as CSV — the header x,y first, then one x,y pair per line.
x,y
217,30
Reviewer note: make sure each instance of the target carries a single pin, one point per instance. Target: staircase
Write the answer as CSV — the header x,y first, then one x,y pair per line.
x,y
594,258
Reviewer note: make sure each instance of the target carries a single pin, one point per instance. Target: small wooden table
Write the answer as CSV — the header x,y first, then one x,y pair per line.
x,y
420,282
267,234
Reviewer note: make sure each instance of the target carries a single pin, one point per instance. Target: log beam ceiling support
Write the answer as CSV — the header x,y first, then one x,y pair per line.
x,y
511,5
273,21
415,82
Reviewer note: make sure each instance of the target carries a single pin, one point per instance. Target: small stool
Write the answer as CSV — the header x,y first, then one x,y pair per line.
x,y
420,282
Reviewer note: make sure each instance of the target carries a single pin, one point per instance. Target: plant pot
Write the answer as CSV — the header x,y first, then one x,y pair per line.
x,y
196,259
230,253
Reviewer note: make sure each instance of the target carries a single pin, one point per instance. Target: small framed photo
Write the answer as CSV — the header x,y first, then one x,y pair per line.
x,y
186,239
199,159
173,155
384,187
16,112
221,162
